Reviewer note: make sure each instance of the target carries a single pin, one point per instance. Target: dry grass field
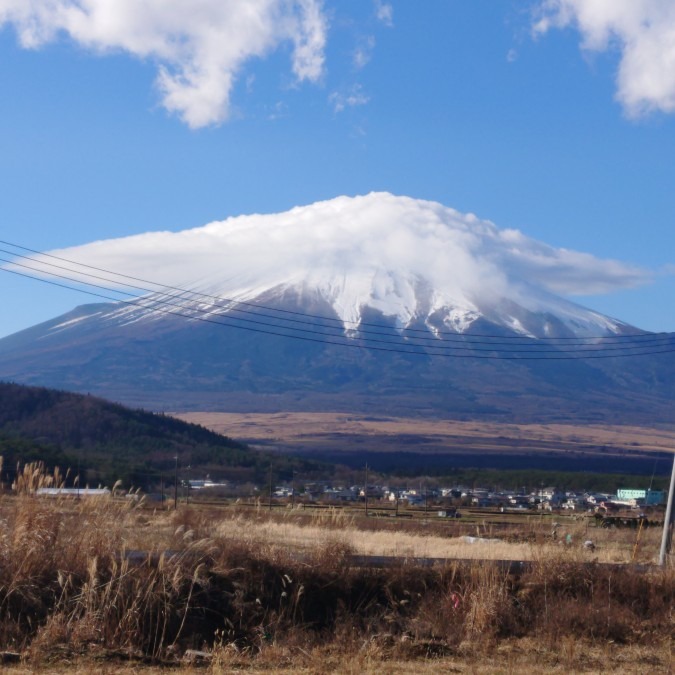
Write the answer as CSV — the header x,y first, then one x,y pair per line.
x,y
111,585
512,657
290,427
338,435
529,540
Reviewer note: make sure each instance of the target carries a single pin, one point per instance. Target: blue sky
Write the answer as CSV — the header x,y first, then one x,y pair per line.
x,y
555,118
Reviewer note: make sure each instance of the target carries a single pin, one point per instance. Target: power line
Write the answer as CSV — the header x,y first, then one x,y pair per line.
x,y
146,307
351,342
233,303
144,303
149,304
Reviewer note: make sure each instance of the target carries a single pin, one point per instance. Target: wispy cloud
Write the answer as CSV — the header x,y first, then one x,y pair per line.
x,y
199,46
643,31
561,270
350,99
384,12
364,52
279,111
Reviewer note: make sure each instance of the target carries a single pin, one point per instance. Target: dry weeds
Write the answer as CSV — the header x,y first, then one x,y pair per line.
x,y
106,582
334,525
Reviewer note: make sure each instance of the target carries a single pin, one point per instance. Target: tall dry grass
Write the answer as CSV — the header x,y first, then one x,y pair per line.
x,y
80,577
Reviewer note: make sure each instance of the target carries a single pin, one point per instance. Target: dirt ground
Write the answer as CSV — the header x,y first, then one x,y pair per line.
x,y
512,657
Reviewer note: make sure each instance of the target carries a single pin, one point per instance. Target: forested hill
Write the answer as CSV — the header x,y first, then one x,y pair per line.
x,y
109,441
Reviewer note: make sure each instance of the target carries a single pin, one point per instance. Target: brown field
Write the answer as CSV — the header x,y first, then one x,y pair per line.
x,y
348,432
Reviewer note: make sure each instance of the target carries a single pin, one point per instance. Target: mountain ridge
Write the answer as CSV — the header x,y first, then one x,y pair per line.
x,y
342,306
176,364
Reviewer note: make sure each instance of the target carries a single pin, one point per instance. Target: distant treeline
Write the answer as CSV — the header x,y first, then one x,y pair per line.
x,y
519,479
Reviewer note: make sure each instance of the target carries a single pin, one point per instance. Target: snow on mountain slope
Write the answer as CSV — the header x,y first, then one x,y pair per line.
x,y
417,262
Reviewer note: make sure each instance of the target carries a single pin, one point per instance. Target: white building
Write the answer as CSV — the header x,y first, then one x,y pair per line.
x,y
72,492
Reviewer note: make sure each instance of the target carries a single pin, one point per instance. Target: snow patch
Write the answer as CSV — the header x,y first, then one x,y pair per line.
x,y
412,261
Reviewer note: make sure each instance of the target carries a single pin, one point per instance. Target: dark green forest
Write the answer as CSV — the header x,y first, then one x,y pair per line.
x,y
105,442
528,479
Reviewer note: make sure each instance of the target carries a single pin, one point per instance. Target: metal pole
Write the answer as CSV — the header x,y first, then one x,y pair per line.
x,y
667,521
293,490
270,502
365,491
175,487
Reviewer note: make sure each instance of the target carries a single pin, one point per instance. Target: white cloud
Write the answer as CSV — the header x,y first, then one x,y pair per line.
x,y
384,13
199,46
354,97
561,270
279,111
643,31
364,52
377,249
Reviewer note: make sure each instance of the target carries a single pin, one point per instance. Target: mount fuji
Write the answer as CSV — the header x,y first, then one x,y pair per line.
x,y
372,303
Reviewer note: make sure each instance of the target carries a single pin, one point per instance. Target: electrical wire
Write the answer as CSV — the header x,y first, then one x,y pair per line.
x,y
142,303
155,304
464,339
233,303
151,302
437,343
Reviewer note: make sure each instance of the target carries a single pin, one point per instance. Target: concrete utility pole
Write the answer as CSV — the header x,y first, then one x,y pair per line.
x,y
270,501
668,520
365,492
293,490
175,487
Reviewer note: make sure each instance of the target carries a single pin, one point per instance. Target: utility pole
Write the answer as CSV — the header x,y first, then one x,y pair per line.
x,y
175,487
365,491
293,489
668,520
270,500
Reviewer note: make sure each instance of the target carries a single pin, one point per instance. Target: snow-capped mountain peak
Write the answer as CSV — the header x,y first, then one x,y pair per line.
x,y
412,261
